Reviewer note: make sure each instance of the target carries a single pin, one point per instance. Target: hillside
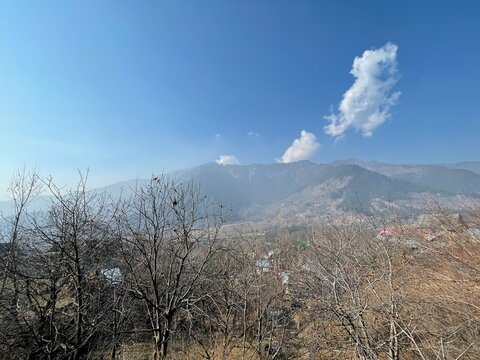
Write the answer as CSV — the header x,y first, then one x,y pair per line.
x,y
305,190
309,190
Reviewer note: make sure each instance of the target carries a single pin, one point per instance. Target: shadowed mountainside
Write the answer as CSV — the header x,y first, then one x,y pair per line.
x,y
306,189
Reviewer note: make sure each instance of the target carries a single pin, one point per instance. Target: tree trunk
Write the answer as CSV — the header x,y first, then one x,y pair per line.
x,y
166,334
158,341
157,338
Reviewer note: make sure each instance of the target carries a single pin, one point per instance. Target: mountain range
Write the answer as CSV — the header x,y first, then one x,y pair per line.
x,y
303,190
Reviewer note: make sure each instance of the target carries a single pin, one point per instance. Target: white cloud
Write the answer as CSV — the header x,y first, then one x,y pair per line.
x,y
253,134
227,160
367,103
301,149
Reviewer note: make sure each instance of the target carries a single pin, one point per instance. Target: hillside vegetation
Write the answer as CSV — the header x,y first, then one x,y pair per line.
x,y
159,275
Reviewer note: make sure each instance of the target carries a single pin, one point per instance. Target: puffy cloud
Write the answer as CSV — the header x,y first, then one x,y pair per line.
x,y
367,103
227,160
301,149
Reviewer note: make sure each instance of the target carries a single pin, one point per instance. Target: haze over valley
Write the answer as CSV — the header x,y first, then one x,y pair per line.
x,y
304,192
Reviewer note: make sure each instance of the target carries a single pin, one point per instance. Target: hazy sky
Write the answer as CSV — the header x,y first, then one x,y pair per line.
x,y
128,88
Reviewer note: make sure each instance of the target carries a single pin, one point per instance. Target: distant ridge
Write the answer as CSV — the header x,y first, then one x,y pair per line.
x,y
306,190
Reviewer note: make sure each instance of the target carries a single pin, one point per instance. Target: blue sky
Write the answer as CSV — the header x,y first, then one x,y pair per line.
x,y
129,88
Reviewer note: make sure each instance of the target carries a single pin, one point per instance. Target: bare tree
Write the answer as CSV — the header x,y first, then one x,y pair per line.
x,y
353,282
24,189
169,234
62,305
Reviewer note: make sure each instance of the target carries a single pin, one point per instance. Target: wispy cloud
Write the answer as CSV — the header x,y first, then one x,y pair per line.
x,y
367,103
301,149
253,134
227,160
